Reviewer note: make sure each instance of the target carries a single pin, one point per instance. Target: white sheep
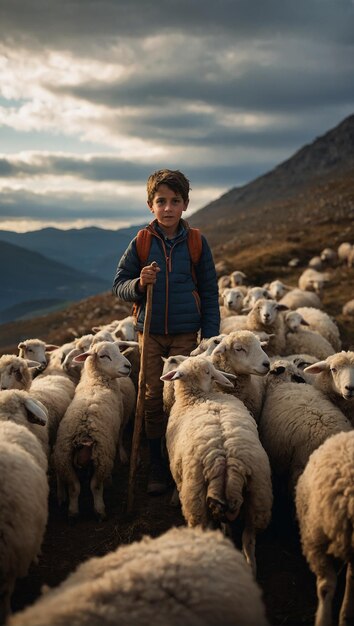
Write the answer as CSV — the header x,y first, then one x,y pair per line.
x,y
298,298
343,251
125,329
316,263
22,408
232,301
311,280
206,346
324,504
92,426
334,377
254,294
237,278
55,392
23,502
277,289
185,577
348,308
296,419
306,341
240,353
35,350
321,322
329,256
216,458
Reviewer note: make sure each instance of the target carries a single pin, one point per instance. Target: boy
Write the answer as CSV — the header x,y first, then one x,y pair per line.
x,y
185,298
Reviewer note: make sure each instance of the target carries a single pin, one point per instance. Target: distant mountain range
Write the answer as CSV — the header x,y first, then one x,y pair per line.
x,y
91,250
38,282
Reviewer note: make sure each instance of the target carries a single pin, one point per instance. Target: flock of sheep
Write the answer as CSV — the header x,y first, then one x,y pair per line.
x,y
264,408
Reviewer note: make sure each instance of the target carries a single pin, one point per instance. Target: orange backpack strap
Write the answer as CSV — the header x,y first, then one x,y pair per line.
x,y
194,241
143,245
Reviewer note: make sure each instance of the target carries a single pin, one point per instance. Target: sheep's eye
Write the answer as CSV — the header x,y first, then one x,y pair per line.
x,y
29,350
333,370
240,349
105,356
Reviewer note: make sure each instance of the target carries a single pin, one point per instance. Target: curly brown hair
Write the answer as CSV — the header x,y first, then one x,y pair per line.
x,y
174,179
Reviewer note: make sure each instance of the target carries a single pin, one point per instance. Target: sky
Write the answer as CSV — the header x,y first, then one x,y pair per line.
x,y
97,94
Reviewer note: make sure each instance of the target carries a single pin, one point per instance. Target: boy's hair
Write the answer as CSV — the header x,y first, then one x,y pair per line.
x,y
174,179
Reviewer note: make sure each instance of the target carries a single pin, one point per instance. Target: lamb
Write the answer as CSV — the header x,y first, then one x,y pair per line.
x,y
23,502
277,289
237,278
22,408
241,354
55,392
125,329
343,251
299,298
92,426
185,577
320,322
232,301
311,280
296,419
216,459
324,504
35,350
334,377
307,341
254,294
348,308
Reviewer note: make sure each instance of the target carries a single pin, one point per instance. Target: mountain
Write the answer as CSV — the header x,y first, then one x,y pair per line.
x,y
317,182
92,250
30,276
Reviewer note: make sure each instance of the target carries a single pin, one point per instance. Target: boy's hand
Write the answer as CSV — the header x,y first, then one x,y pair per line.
x,y
148,275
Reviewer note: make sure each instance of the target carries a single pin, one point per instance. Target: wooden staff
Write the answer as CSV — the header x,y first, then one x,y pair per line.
x,y
140,404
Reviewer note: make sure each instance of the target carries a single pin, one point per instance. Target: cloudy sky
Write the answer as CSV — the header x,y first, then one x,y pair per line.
x,y
97,94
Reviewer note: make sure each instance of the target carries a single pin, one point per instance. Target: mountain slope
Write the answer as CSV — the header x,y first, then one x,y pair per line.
x,y
32,276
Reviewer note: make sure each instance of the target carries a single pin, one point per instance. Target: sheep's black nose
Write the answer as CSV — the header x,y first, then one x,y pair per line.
x,y
266,364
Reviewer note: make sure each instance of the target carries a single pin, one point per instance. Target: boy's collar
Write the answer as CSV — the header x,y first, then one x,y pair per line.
x,y
182,228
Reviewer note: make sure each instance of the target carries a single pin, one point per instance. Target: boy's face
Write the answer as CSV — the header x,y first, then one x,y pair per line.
x,y
167,206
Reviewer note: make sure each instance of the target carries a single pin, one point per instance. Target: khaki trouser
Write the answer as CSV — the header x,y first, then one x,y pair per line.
x,y
158,346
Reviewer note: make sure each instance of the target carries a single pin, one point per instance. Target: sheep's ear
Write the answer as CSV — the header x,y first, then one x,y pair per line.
x,y
220,349
36,412
223,378
317,368
164,359
246,309
82,357
70,356
118,333
266,285
298,379
172,375
122,345
21,345
196,351
265,342
304,323
30,363
49,347
282,307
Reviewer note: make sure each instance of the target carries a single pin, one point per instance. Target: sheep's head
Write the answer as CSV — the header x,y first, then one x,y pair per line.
x,y
21,408
198,372
340,371
278,289
266,311
244,353
294,321
254,294
15,373
207,346
233,299
172,362
237,278
282,371
35,349
106,357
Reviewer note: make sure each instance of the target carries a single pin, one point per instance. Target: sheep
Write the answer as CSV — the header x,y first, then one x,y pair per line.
x,y
206,346
216,459
92,426
224,282
329,256
335,379
185,577
307,341
237,278
300,298
277,289
55,392
232,301
348,308
343,251
56,360
254,294
241,354
296,419
22,408
324,505
232,323
316,263
35,350
311,280
125,329
23,502
322,323
168,395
